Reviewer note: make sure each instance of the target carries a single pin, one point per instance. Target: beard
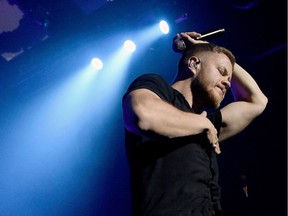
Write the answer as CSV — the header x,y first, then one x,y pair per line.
x,y
204,97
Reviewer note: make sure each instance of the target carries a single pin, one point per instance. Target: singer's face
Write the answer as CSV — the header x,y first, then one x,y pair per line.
x,y
212,81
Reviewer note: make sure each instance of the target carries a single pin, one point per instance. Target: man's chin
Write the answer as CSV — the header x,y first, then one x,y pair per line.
x,y
216,105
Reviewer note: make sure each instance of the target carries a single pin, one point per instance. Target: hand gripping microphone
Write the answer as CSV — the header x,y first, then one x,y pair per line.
x,y
179,44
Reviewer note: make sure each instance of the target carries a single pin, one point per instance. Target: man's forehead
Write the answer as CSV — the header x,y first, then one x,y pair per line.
x,y
217,57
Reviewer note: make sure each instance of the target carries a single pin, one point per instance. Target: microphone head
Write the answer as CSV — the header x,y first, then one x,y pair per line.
x,y
178,45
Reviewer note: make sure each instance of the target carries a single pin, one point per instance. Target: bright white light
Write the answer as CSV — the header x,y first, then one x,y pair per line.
x,y
130,46
164,27
97,63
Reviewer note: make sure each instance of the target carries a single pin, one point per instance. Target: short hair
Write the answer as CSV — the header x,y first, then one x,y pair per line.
x,y
203,47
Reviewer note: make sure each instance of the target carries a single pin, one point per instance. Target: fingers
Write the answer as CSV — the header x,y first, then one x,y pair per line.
x,y
184,39
191,37
188,35
216,145
215,142
204,113
177,37
213,138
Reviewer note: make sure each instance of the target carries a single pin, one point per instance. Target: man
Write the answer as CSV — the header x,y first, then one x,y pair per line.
x,y
172,142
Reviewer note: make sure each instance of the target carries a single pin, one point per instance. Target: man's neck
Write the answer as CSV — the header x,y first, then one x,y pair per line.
x,y
183,86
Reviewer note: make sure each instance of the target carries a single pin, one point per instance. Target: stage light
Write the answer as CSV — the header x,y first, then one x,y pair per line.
x,y
129,46
97,63
164,27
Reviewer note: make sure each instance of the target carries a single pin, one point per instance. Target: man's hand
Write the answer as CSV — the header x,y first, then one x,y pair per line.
x,y
190,36
185,39
212,136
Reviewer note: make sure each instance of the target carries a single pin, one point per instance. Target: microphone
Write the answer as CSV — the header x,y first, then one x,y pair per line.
x,y
179,44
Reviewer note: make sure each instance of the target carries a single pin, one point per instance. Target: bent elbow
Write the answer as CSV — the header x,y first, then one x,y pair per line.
x,y
262,104
143,120
136,119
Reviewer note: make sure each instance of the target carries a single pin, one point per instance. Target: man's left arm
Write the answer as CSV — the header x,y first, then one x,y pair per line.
x,y
249,102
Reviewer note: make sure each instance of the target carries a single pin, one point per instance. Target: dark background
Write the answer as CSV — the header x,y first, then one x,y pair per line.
x,y
256,31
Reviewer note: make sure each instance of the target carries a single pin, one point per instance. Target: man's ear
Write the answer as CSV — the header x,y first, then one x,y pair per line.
x,y
193,63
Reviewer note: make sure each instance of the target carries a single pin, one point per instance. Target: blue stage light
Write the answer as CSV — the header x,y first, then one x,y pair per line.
x,y
130,46
164,27
97,63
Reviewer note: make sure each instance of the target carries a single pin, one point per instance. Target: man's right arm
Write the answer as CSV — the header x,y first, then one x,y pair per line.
x,y
146,114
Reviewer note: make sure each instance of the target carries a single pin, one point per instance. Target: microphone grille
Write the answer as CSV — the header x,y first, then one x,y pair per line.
x,y
178,45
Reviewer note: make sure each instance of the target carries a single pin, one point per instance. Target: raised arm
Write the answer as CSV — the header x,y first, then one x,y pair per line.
x,y
249,103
